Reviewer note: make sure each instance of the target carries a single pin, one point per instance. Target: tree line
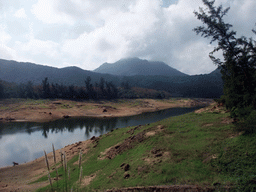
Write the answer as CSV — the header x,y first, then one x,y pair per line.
x,y
101,90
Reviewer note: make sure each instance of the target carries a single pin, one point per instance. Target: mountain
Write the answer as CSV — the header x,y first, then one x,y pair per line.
x,y
207,85
216,72
20,72
136,66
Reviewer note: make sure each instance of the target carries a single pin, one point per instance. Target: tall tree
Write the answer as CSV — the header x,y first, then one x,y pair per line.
x,y
29,90
238,67
89,89
46,92
102,87
1,90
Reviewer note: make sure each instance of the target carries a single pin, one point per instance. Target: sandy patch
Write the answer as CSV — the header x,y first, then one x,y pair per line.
x,y
87,180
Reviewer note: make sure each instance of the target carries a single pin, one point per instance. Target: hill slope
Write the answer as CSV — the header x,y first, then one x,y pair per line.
x,y
200,149
136,66
20,72
208,85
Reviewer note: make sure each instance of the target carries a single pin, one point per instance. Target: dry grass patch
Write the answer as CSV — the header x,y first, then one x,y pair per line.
x,y
87,180
155,130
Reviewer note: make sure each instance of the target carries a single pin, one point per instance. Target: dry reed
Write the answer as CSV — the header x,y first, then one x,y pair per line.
x,y
46,161
48,167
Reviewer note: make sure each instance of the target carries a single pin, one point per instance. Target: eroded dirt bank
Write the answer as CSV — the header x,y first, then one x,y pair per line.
x,y
36,111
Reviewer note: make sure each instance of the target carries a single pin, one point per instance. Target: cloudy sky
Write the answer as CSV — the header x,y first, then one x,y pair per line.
x,y
87,33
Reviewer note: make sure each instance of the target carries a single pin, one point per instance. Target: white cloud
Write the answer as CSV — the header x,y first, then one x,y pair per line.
x,y
5,51
37,47
4,37
20,13
113,40
88,33
46,11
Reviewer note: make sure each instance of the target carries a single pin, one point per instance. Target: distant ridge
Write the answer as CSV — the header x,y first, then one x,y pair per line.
x,y
22,72
181,85
136,66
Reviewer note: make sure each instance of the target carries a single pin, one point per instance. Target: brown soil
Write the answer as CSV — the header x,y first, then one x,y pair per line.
x,y
57,109
127,144
212,108
172,188
17,178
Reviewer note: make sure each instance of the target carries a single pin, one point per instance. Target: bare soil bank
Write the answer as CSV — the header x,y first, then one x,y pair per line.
x,y
48,110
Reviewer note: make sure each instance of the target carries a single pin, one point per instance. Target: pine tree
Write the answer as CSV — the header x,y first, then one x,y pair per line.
x,y
239,65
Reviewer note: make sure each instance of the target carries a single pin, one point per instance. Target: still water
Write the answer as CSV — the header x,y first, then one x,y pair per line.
x,y
25,141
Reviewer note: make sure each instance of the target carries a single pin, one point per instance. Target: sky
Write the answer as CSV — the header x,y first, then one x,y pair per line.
x,y
88,33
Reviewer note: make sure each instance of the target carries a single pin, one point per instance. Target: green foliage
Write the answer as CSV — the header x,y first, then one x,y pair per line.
x,y
46,92
197,149
239,65
236,162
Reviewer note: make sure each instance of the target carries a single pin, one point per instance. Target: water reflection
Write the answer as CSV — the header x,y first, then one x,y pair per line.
x,y
25,141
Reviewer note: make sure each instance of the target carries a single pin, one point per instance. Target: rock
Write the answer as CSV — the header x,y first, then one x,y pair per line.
x,y
126,167
155,151
126,176
158,155
66,116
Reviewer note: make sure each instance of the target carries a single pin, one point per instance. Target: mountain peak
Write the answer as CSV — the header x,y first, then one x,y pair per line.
x,y
135,66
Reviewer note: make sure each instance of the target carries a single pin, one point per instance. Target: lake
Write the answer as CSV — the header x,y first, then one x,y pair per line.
x,y
25,141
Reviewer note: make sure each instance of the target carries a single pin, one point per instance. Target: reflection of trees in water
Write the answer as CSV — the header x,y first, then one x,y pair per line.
x,y
1,130
14,127
90,124
98,125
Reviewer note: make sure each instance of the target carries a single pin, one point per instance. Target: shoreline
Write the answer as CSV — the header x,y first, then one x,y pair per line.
x,y
50,110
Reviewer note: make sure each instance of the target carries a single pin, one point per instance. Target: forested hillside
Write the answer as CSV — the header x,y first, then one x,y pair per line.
x,y
17,76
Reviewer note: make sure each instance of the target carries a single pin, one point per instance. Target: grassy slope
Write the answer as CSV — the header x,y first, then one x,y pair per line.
x,y
198,149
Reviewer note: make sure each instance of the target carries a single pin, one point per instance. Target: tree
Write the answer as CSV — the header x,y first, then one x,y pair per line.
x,y
126,85
1,90
102,87
29,90
89,88
238,67
46,92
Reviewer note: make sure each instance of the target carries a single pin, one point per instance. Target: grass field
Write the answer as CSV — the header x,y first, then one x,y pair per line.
x,y
201,149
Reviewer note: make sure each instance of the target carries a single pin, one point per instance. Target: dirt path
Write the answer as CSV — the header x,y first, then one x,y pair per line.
x,y
17,178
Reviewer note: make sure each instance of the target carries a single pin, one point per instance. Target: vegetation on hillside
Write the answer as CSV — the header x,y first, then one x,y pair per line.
x,y
239,65
202,149
102,90
203,86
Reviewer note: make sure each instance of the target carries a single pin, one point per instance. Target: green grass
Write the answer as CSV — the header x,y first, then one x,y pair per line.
x,y
197,149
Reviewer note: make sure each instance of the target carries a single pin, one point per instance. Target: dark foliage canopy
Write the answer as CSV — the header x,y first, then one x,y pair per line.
x,y
238,67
